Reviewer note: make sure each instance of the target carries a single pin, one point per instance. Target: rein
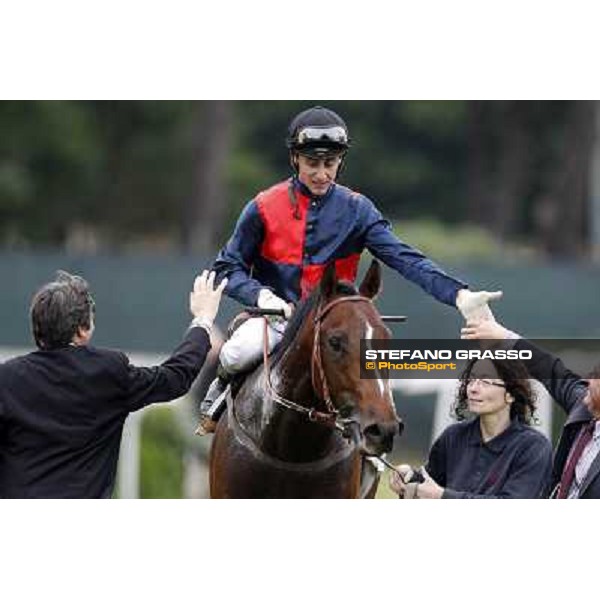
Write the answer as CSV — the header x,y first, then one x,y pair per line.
x,y
331,417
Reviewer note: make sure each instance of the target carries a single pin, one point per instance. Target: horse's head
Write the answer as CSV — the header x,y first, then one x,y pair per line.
x,y
343,317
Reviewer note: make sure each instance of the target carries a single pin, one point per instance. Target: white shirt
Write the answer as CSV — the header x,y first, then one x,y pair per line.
x,y
203,322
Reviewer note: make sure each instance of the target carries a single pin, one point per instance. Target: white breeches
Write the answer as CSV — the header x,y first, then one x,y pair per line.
x,y
245,347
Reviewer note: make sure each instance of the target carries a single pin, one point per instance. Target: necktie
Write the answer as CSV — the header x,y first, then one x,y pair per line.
x,y
569,471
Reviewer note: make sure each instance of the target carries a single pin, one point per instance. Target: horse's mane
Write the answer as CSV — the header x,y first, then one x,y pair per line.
x,y
299,317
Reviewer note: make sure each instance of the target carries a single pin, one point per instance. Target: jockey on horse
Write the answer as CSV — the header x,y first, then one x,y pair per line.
x,y
287,235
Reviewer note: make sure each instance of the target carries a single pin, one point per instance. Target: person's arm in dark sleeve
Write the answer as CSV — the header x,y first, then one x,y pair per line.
x,y
236,259
170,380
436,461
562,384
412,264
527,478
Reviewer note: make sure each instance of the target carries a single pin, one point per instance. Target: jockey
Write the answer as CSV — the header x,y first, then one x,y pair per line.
x,y
287,235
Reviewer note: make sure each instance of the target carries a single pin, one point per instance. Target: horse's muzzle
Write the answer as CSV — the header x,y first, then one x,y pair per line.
x,y
379,437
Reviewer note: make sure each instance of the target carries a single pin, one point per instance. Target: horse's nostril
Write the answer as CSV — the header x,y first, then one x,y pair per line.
x,y
346,411
377,431
400,426
380,437
373,431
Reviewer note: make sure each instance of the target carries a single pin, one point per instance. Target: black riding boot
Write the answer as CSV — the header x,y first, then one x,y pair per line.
x,y
214,403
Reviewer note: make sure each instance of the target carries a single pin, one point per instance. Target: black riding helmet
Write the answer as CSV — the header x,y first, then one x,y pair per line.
x,y
318,132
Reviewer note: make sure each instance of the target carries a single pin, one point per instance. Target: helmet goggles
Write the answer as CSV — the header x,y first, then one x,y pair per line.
x,y
321,141
327,135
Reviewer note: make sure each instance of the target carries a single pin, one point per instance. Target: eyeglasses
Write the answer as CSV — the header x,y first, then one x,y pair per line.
x,y
484,382
337,135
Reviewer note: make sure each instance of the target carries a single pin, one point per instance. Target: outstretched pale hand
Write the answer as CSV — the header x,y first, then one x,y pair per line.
x,y
484,330
205,298
474,305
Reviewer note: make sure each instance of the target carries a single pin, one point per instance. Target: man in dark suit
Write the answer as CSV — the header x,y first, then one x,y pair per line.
x,y
576,468
62,407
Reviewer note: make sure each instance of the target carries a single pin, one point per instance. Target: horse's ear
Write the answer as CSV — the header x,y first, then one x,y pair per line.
x,y
328,282
371,284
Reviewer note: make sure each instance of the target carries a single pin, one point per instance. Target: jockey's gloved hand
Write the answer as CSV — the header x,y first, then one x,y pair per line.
x,y
474,305
267,299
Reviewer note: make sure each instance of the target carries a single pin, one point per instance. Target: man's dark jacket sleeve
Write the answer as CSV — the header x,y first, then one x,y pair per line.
x,y
563,385
171,379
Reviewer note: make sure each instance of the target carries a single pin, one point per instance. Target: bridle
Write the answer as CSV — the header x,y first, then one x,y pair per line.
x,y
331,416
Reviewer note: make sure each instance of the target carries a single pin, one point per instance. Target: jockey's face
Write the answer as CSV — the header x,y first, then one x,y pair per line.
x,y
317,174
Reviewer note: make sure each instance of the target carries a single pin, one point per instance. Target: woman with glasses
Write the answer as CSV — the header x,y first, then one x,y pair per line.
x,y
492,452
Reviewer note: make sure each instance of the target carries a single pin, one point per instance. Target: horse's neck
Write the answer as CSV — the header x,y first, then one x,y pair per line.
x,y
283,432
291,433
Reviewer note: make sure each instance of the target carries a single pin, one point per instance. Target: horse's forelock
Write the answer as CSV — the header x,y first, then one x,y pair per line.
x,y
301,312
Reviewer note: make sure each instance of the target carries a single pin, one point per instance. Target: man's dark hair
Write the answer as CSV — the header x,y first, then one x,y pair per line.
x,y
59,309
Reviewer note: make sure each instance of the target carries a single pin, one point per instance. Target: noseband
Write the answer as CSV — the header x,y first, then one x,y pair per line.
x,y
316,367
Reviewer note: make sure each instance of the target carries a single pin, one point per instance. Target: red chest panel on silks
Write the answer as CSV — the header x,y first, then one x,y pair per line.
x,y
345,268
284,233
285,237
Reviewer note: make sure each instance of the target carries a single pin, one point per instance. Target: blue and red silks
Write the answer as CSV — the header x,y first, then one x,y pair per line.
x,y
284,242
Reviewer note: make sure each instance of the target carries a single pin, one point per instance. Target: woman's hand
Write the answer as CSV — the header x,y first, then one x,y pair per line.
x,y
485,330
398,477
429,489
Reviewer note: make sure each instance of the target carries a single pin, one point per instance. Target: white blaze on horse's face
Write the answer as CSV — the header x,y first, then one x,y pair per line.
x,y
384,386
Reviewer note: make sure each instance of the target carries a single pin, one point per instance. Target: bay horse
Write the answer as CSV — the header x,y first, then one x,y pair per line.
x,y
280,436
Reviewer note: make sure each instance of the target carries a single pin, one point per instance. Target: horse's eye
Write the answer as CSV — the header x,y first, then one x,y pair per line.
x,y
335,343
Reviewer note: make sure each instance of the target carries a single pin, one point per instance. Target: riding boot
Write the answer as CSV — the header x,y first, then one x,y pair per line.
x,y
214,403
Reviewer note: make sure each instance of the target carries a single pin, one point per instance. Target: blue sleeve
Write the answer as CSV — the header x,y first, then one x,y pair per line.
x,y
235,260
406,260
529,476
